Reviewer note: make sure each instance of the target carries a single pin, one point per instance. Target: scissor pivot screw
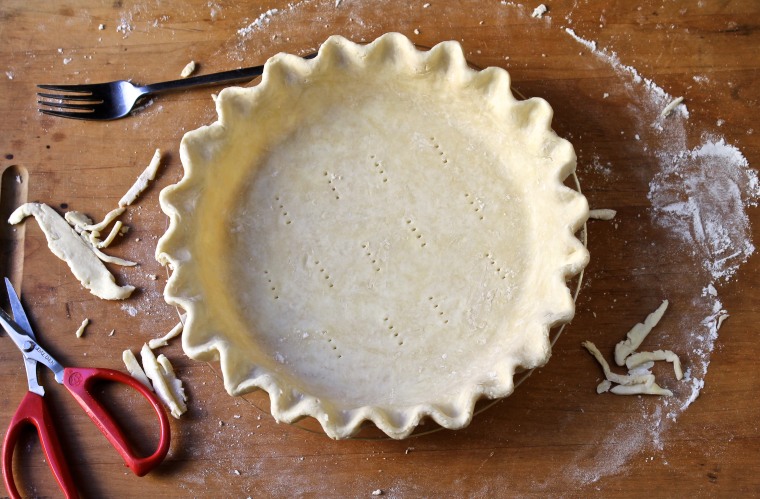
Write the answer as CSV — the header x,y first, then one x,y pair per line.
x,y
28,346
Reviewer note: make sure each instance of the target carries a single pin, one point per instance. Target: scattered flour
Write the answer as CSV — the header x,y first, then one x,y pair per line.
x,y
258,23
699,197
132,311
214,10
125,26
658,96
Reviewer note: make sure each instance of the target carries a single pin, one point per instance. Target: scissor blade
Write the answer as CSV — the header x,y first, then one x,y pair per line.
x,y
29,346
19,315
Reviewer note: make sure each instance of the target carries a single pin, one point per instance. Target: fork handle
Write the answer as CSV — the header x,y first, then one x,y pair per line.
x,y
231,76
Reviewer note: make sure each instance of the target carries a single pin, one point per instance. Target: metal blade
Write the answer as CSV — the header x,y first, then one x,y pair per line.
x,y
29,346
19,315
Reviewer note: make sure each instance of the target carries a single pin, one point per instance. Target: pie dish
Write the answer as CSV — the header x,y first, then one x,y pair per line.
x,y
377,234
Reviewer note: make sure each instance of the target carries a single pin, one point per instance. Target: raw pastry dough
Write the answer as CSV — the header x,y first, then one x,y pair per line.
x,y
379,233
142,180
130,361
165,383
639,358
640,380
188,69
75,250
638,333
80,330
164,340
602,214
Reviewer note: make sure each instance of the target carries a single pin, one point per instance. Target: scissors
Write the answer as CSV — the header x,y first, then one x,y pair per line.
x,y
78,381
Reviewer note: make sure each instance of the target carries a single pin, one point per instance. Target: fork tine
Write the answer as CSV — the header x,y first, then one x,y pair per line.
x,y
63,114
68,88
89,97
65,105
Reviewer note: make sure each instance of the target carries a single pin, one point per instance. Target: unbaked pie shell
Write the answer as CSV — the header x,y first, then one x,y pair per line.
x,y
379,233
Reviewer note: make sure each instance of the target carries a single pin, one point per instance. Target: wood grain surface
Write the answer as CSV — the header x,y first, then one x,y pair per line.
x,y
555,436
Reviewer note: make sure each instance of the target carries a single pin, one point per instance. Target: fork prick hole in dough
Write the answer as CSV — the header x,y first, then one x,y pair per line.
x,y
371,256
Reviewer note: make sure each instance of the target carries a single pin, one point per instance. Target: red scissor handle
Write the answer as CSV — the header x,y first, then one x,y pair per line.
x,y
79,381
33,411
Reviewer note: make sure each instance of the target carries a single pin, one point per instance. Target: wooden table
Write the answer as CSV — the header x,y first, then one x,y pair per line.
x,y
555,436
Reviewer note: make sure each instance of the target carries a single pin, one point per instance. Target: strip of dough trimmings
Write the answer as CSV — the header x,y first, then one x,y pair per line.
x,y
80,330
78,220
110,217
115,231
614,377
188,69
635,383
165,383
175,385
164,340
83,225
134,369
67,245
639,358
639,381
106,258
637,334
670,107
142,180
602,214
641,389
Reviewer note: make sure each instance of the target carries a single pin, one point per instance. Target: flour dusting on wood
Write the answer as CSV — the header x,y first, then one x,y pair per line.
x,y
699,196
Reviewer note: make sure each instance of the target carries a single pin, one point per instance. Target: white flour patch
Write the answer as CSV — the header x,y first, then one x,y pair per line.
x,y
214,10
132,311
257,24
701,196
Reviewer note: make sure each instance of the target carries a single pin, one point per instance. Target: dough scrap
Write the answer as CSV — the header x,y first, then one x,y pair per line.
x,y
80,330
67,245
640,380
175,385
102,256
639,358
602,214
115,231
539,11
722,316
645,379
77,219
188,69
604,386
164,340
110,217
134,369
637,334
670,107
641,389
83,225
165,383
142,180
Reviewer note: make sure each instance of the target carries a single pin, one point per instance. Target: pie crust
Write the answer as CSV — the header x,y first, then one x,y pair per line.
x,y
379,233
